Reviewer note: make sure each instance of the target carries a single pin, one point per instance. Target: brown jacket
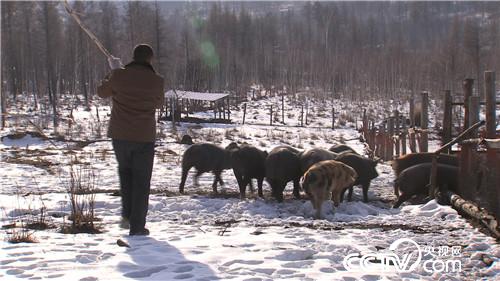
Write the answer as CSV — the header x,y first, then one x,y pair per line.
x,y
136,91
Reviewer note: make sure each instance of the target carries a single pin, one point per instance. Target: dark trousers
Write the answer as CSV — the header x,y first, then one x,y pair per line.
x,y
135,165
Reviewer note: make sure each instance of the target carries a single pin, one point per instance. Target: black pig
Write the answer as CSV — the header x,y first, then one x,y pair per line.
x,y
412,159
364,167
205,157
338,148
313,156
282,166
248,163
415,180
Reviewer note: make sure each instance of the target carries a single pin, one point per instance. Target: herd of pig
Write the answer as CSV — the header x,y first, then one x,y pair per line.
x,y
322,174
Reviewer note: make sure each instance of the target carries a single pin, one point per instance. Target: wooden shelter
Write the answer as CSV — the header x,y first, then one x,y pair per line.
x,y
179,102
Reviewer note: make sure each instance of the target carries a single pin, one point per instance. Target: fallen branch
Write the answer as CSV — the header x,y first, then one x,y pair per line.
x,y
472,210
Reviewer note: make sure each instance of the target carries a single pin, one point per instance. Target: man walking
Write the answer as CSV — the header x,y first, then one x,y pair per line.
x,y
136,91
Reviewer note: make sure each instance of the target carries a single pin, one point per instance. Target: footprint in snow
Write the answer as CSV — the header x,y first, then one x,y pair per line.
x,y
196,252
145,273
21,254
298,264
183,269
106,256
86,258
285,272
28,259
247,262
327,270
15,271
183,276
295,255
267,271
55,275
90,278
4,262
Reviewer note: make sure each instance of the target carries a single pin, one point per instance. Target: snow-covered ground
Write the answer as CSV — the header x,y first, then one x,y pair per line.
x,y
200,236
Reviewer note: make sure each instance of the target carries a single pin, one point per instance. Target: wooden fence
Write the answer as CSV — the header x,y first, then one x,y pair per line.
x,y
397,133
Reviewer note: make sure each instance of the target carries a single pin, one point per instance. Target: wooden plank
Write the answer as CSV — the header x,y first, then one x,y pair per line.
x,y
460,137
467,88
447,117
481,103
490,93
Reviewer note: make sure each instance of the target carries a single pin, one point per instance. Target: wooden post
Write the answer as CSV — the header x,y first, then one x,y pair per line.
x,y
397,132
244,112
365,123
490,93
473,112
228,109
447,123
172,111
271,116
412,112
403,138
413,142
307,109
166,107
223,109
182,108
333,118
373,132
424,122
215,110
382,142
283,108
389,147
302,116
467,88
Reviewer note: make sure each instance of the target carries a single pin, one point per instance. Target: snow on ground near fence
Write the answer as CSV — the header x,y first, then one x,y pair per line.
x,y
202,237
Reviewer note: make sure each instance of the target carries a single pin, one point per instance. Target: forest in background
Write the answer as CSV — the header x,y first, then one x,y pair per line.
x,y
358,49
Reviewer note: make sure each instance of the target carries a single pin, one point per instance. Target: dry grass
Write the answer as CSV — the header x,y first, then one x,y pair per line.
x,y
81,188
21,235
